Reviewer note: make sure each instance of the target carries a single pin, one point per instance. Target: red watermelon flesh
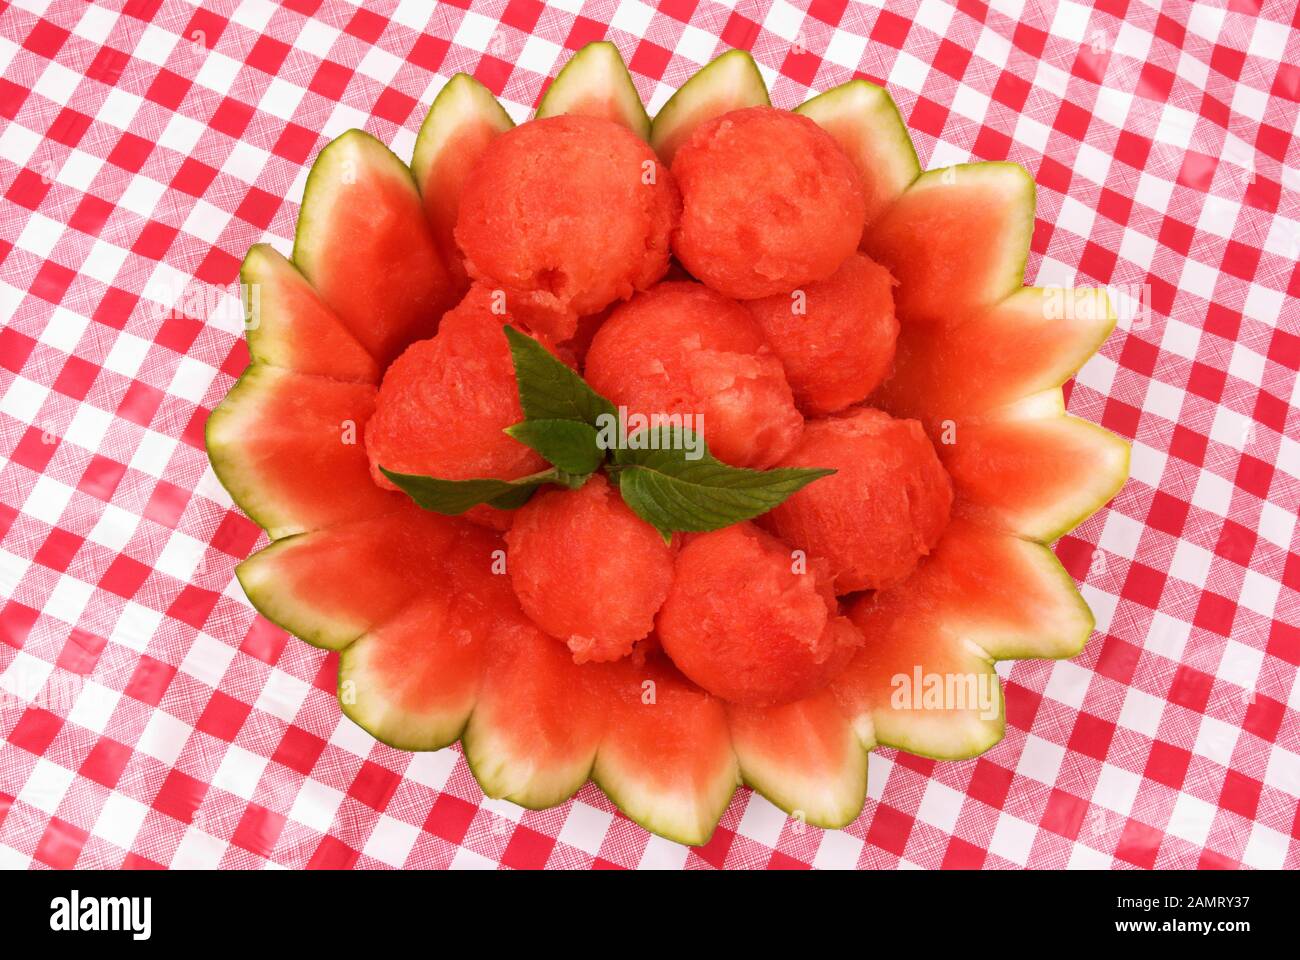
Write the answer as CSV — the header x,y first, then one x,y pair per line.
x,y
365,245
666,756
413,681
289,326
290,449
1034,475
463,120
331,586
533,735
1031,341
956,241
804,757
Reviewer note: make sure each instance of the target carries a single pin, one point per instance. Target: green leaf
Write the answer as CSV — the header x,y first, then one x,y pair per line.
x,y
454,497
670,492
567,444
548,390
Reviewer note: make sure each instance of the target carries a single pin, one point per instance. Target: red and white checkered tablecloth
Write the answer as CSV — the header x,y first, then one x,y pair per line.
x,y
148,717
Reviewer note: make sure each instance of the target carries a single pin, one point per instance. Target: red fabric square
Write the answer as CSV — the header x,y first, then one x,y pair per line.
x,y
268,54
1254,475
523,14
1139,844
1240,794
90,215
891,29
1144,585
428,52
76,378
35,449
58,549
223,716
168,89
952,59
105,762
81,653
1167,764
194,177
69,127
205,28
12,97
295,143
394,105
650,59
130,152
16,622
1191,688
1264,717
299,750
374,785
35,730
1215,613
15,348
889,829
493,72
124,576
61,844
366,25
528,849
332,855
990,783
108,65
1118,660
264,640
150,680
193,605
1188,445
1236,543
1167,513
739,32
139,403
179,796
236,535
961,855
46,39
1091,736
330,79
52,281
1011,91
258,830
231,118
27,189
101,477
1064,814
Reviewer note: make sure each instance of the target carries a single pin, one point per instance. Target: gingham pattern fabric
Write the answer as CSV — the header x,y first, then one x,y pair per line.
x,y
148,717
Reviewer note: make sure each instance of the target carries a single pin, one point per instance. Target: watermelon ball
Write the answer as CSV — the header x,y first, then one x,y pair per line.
x,y
587,570
751,621
567,214
444,403
884,508
769,203
682,348
836,338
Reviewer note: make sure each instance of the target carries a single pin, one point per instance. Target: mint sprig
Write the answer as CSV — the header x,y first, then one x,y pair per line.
x,y
568,444
454,497
673,486
550,390
671,492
